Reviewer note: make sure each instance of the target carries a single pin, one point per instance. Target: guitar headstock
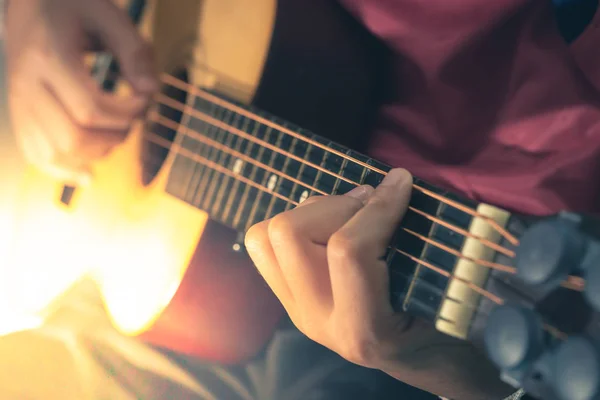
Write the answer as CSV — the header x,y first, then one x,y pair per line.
x,y
544,334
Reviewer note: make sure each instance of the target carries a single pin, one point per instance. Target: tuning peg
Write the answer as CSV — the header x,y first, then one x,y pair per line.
x,y
548,251
591,270
513,337
576,369
592,287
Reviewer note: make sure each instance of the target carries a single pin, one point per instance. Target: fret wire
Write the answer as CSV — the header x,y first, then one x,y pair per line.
x,y
322,164
259,197
168,101
206,173
173,180
242,204
289,178
253,174
235,189
216,158
295,186
227,159
185,119
363,175
285,168
416,273
198,170
280,178
337,183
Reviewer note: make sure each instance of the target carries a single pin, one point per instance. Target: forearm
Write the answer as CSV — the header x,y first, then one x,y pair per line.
x,y
446,366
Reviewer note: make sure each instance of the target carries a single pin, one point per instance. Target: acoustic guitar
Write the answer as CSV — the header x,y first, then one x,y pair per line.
x,y
160,228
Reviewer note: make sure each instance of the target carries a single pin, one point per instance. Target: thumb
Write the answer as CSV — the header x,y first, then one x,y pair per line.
x,y
113,27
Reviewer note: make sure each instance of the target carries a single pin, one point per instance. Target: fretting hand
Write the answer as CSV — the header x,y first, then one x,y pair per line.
x,y
324,262
61,117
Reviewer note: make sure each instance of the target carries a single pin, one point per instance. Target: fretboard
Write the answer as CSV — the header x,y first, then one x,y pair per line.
x,y
258,170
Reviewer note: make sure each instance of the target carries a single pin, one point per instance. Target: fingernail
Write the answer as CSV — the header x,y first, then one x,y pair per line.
x,y
396,177
361,193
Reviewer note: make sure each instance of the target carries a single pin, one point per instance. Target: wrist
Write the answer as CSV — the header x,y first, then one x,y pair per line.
x,y
445,366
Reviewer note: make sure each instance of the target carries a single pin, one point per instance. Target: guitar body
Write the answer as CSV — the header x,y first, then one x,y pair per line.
x,y
166,272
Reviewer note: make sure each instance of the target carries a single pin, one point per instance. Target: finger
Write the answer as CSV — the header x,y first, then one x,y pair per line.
x,y
40,151
318,217
85,102
299,239
360,192
261,252
115,29
310,200
72,139
359,278
50,138
36,147
372,228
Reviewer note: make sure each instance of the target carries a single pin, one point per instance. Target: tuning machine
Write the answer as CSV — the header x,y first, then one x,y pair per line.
x,y
552,249
551,366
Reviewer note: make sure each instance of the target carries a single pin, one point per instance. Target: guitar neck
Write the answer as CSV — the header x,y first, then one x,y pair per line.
x,y
242,166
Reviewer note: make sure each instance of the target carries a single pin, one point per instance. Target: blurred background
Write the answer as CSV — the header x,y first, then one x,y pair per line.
x,y
11,167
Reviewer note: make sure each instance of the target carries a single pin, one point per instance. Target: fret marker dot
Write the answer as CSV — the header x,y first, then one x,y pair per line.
x,y
237,166
272,182
303,196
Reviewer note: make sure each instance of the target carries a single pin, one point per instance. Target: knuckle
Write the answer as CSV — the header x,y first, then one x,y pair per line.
x,y
308,324
303,322
343,247
360,349
282,228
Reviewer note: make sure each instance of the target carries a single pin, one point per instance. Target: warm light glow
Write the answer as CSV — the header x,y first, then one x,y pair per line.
x,y
51,249
45,256
135,279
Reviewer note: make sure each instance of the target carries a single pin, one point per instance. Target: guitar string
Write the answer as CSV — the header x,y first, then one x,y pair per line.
x,y
197,92
212,165
154,161
163,143
177,149
170,124
572,282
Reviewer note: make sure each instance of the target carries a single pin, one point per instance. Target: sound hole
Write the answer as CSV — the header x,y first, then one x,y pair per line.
x,y
155,150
